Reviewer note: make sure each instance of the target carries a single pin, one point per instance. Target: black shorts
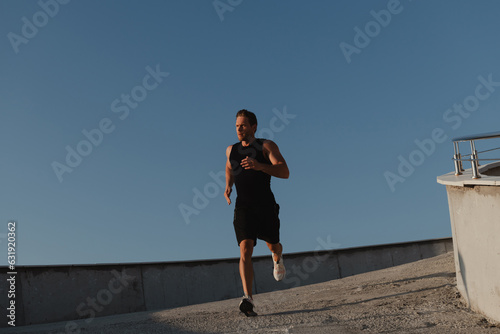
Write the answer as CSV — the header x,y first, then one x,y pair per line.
x,y
260,222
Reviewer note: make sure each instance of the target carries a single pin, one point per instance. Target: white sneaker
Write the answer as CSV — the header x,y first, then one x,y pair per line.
x,y
279,271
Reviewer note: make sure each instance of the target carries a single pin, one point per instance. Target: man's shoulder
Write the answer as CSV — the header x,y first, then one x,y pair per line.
x,y
267,143
264,140
230,148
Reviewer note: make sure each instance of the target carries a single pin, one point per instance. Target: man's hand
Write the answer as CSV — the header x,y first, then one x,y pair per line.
x,y
227,194
251,163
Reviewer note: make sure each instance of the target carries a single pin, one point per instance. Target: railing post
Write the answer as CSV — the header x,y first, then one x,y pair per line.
x,y
457,158
474,162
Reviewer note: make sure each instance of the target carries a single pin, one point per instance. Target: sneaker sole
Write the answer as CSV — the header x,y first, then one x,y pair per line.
x,y
275,274
280,278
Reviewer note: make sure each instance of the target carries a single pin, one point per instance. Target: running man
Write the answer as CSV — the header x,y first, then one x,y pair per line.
x,y
250,164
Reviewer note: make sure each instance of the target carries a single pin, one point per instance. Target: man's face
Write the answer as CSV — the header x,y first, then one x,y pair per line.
x,y
243,128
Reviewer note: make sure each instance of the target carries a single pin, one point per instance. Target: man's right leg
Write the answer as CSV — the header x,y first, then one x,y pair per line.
x,y
246,268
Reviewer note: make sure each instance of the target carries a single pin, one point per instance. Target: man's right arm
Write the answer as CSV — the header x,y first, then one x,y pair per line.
x,y
229,176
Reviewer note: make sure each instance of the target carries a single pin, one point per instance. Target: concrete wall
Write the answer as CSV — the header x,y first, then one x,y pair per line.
x,y
475,220
64,293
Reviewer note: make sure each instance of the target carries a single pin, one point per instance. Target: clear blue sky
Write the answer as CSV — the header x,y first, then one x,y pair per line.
x,y
351,106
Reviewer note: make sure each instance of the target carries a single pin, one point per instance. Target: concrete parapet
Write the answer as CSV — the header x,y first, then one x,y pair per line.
x,y
64,293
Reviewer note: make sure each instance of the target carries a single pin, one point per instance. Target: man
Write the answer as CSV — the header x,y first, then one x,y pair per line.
x,y
250,164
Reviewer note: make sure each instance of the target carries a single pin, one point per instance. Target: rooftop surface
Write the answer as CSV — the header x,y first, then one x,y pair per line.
x,y
418,297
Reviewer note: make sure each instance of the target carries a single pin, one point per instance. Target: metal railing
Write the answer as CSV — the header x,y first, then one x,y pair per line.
x,y
474,156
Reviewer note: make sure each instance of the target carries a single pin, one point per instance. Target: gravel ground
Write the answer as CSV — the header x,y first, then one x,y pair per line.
x,y
418,297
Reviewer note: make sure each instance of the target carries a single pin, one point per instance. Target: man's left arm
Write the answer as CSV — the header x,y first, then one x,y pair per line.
x,y
278,167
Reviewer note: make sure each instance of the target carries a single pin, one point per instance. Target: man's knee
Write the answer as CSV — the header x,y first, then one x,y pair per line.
x,y
246,248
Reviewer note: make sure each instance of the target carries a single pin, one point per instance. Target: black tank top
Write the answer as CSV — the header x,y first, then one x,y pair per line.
x,y
253,187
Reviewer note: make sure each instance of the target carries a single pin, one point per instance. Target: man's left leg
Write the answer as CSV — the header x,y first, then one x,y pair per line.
x,y
246,273
246,268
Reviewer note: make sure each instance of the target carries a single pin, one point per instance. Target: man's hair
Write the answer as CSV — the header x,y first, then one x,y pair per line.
x,y
252,119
